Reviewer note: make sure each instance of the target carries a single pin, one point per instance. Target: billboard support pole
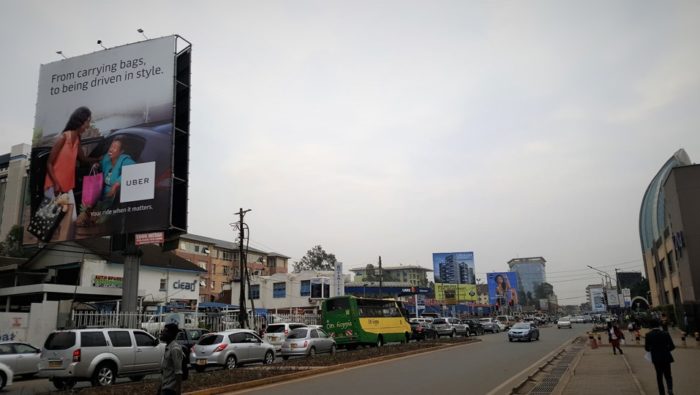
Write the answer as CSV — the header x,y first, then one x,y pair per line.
x,y
130,284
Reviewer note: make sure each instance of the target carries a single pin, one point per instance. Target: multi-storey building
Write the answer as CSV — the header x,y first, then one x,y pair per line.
x,y
14,168
221,260
413,275
452,271
530,271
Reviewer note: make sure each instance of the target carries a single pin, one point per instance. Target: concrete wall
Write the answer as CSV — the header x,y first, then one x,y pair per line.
x,y
42,321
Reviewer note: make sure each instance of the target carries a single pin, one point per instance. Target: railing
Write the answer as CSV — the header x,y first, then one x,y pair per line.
x,y
154,323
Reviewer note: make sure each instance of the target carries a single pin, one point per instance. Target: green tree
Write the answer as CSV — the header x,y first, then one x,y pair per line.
x,y
12,246
315,259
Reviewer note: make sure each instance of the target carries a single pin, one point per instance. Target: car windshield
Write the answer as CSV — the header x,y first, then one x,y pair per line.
x,y
299,333
60,341
439,321
521,326
485,320
275,329
208,340
567,318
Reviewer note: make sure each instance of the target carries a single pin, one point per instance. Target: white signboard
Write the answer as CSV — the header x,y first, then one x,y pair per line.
x,y
627,297
339,283
597,300
612,298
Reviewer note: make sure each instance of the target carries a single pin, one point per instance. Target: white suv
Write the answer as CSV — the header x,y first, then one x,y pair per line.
x,y
99,356
276,334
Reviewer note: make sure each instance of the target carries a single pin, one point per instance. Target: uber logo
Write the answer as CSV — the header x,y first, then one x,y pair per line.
x,y
138,182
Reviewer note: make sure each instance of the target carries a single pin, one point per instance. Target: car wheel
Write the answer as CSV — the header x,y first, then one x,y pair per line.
x,y
104,375
269,358
230,362
510,339
136,378
3,380
334,349
529,338
312,352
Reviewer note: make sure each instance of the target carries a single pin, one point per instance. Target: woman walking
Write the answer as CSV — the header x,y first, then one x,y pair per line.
x,y
615,336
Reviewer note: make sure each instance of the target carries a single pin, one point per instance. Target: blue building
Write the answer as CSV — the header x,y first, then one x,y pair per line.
x,y
530,271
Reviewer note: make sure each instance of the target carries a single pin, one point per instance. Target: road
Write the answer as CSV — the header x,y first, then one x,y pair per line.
x,y
478,368
473,368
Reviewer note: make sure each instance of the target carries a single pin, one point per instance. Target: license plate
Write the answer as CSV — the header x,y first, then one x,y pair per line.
x,y
55,364
293,345
273,338
201,362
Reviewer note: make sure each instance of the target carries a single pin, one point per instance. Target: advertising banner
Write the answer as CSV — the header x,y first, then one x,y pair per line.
x,y
454,267
612,298
627,297
503,288
455,293
597,300
102,145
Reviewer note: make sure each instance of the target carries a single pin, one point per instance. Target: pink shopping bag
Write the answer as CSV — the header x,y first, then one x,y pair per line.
x,y
92,188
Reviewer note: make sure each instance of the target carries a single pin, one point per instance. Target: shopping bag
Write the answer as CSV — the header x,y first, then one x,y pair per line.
x,y
46,219
92,187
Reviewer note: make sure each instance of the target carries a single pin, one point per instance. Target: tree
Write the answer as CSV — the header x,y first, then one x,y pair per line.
x,y
543,291
12,246
315,259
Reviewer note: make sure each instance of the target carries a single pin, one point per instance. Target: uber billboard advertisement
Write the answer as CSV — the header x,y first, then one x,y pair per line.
x,y
102,145
503,288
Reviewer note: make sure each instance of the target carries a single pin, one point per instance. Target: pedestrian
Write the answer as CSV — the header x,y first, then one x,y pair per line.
x,y
659,344
171,366
615,336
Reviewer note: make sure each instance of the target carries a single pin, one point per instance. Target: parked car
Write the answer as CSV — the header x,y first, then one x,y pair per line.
x,y
506,320
189,337
22,358
307,342
450,327
475,327
156,323
6,376
577,319
276,334
524,331
564,322
491,325
421,331
230,349
99,355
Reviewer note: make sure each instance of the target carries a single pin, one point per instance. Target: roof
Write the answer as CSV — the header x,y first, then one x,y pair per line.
x,y
153,255
275,254
218,243
407,267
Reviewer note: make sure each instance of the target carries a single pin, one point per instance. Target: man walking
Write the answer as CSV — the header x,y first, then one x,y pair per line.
x,y
659,343
171,366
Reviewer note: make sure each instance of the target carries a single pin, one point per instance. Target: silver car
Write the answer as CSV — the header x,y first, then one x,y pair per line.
x,y
450,327
307,342
22,358
230,349
276,334
99,355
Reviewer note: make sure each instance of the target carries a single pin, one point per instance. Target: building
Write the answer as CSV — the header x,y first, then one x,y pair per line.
x,y
669,213
628,279
289,292
531,273
14,168
451,271
220,259
411,275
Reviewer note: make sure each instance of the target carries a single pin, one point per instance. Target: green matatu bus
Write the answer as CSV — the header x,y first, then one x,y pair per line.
x,y
354,321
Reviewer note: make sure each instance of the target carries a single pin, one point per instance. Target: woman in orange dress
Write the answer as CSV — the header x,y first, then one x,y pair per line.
x,y
60,167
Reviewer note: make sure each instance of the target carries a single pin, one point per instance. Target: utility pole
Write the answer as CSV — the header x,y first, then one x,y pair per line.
x,y
242,308
381,276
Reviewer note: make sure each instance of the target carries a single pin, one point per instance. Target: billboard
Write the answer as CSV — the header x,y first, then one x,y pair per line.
x,y
597,300
454,267
503,288
455,293
612,298
105,133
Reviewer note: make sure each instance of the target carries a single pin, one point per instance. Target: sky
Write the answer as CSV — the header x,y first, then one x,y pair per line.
x,y
402,128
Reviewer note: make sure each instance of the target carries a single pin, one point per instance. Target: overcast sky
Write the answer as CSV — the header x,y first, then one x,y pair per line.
x,y
511,129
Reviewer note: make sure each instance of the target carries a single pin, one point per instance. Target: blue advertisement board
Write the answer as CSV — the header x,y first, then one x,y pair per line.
x,y
503,288
454,267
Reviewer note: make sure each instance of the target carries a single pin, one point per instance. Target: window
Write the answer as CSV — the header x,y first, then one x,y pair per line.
x,y
163,285
144,340
208,340
305,288
6,349
237,337
227,270
254,292
92,339
25,349
279,290
251,338
213,269
228,256
181,336
669,259
120,338
60,341
196,248
212,285
337,304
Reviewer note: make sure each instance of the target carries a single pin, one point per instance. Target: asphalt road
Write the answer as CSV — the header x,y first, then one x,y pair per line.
x,y
474,368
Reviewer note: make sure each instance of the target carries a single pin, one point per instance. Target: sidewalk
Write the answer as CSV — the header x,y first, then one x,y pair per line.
x,y
599,371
